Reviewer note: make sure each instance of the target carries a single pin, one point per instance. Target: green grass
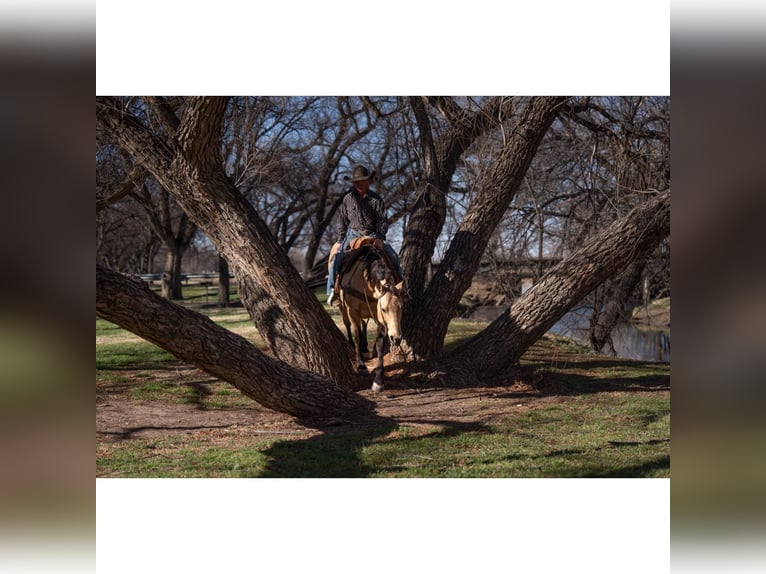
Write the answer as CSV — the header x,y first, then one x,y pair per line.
x,y
583,432
614,436
576,439
113,352
140,355
164,459
460,330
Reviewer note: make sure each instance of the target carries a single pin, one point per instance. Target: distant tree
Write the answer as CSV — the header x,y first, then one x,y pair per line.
x,y
123,240
174,228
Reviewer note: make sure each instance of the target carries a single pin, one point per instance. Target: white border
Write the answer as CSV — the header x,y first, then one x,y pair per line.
x,y
383,525
303,47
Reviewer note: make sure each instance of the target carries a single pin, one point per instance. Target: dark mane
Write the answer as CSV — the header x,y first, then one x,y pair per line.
x,y
376,266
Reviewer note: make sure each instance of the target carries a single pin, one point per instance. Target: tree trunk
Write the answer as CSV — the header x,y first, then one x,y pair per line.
x,y
504,341
224,291
440,160
428,213
607,310
197,340
171,277
429,318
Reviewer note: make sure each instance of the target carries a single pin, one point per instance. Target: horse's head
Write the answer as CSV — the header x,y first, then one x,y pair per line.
x,y
391,299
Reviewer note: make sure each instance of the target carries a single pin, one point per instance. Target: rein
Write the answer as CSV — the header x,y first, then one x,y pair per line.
x,y
374,315
362,297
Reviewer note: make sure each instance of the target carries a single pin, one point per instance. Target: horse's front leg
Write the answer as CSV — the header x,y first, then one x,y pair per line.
x,y
365,348
347,323
380,341
360,366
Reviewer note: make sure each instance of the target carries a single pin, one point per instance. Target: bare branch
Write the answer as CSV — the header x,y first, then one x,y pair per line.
x,y
133,180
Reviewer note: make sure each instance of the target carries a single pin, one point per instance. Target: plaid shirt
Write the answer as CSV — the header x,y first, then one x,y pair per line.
x,y
366,216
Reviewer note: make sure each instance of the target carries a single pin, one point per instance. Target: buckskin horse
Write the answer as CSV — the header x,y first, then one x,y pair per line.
x,y
370,289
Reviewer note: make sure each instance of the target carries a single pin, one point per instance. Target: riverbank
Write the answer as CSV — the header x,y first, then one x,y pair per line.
x,y
654,316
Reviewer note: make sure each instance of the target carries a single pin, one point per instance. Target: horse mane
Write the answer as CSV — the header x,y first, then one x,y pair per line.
x,y
376,267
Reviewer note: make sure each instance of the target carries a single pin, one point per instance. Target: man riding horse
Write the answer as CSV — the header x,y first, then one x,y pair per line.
x,y
362,214
372,285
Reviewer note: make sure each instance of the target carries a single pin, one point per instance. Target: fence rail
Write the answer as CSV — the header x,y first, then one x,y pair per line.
x,y
186,278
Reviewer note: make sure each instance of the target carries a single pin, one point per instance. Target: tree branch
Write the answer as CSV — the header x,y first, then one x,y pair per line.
x,y
197,340
605,254
131,182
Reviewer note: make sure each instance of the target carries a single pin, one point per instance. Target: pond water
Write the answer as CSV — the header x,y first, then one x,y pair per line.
x,y
630,341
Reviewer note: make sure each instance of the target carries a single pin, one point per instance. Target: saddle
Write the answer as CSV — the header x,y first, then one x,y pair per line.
x,y
353,245
351,255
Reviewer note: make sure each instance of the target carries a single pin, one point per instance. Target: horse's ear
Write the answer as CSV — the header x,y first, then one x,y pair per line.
x,y
400,285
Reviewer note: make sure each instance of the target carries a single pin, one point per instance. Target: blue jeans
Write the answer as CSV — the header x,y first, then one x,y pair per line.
x,y
350,235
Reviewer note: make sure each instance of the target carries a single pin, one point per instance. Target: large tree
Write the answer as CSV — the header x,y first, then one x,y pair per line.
x,y
184,155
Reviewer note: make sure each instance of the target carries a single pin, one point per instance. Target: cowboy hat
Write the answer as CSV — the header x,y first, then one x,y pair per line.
x,y
360,173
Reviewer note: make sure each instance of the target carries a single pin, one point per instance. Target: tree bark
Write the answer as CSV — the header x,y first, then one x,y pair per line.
x,y
197,340
608,308
428,213
504,341
171,277
224,290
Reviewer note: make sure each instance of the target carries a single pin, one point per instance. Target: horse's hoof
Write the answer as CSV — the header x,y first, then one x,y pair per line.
x,y
377,387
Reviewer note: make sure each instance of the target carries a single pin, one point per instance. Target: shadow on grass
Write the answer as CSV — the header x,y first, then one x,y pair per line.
x,y
138,362
130,432
539,381
640,470
337,453
333,454
541,384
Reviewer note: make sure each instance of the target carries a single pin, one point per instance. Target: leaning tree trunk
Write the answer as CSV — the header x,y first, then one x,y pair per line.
x,y
189,166
197,340
504,341
609,309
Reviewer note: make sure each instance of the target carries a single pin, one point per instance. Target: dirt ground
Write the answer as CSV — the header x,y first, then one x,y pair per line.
x,y
119,417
